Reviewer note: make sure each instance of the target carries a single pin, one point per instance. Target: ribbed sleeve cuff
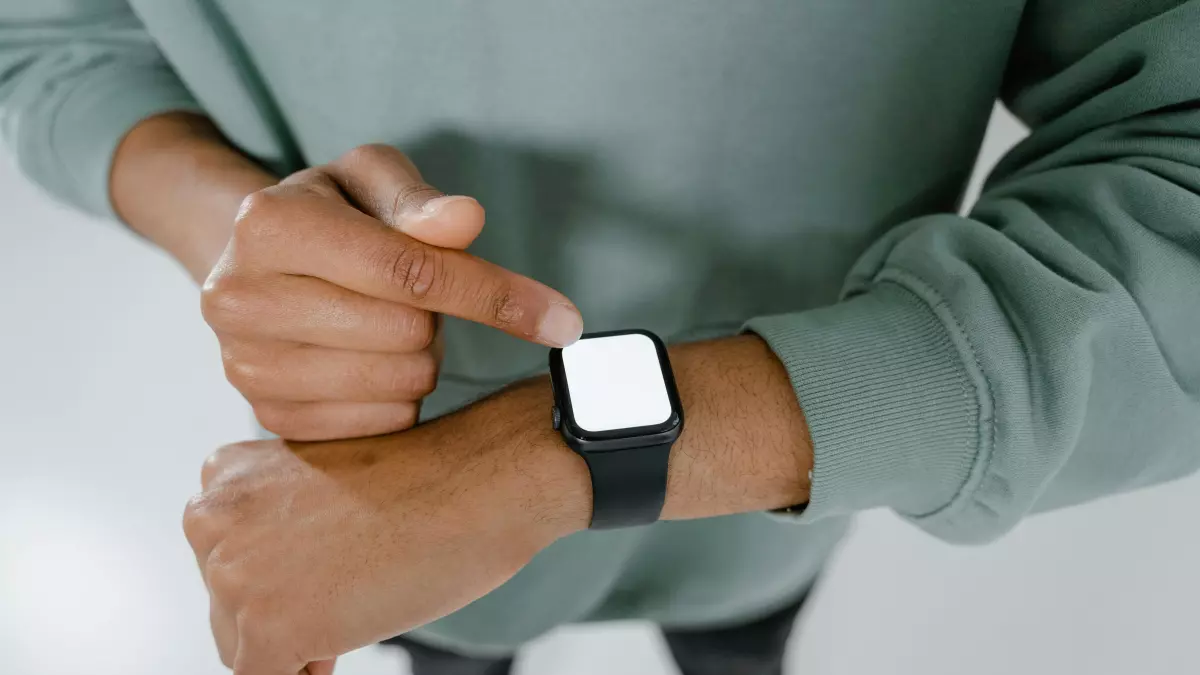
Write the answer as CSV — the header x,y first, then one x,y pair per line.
x,y
90,122
893,413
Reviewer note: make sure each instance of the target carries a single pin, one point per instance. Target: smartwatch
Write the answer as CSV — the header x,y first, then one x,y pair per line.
x,y
615,404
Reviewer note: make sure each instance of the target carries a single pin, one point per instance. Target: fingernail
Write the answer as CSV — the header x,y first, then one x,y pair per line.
x,y
560,326
431,207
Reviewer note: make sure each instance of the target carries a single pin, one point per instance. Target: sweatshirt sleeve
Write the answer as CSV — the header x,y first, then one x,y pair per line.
x,y
75,77
1045,350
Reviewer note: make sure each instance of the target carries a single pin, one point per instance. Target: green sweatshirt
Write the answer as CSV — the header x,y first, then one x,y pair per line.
x,y
700,167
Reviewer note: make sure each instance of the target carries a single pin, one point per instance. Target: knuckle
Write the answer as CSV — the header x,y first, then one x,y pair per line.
x,y
214,464
278,418
269,628
411,196
425,374
369,153
262,220
197,521
419,329
506,310
425,329
226,579
407,417
220,281
225,454
246,377
255,211
412,267
230,354
414,376
314,182
321,188
224,303
209,470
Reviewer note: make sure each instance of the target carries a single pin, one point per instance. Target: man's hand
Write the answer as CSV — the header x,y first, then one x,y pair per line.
x,y
312,550
324,291
326,298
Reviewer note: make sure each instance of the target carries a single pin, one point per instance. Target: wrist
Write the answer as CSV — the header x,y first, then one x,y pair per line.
x,y
746,446
546,484
179,183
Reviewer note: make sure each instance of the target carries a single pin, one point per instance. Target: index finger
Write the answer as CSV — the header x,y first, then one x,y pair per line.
x,y
336,242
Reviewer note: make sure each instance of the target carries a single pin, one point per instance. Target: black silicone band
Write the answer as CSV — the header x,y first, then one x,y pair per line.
x,y
628,486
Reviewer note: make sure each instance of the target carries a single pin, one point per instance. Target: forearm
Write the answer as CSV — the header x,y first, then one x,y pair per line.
x,y
745,446
179,183
437,516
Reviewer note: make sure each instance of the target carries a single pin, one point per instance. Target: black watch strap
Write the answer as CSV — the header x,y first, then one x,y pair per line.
x,y
628,486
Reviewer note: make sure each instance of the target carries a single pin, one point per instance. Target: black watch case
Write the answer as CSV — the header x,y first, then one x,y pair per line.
x,y
587,442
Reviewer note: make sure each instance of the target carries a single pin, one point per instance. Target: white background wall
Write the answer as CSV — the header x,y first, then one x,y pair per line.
x,y
111,395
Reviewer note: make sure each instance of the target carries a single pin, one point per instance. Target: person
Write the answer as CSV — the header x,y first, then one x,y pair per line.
x,y
772,186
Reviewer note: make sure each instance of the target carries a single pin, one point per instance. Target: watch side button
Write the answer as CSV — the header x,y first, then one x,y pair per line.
x,y
555,417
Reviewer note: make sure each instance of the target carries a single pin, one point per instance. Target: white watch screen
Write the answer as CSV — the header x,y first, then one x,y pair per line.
x,y
616,382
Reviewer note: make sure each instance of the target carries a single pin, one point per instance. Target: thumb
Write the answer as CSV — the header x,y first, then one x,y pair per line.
x,y
451,221
385,184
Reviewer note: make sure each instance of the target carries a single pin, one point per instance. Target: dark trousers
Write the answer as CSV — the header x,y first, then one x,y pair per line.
x,y
754,648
